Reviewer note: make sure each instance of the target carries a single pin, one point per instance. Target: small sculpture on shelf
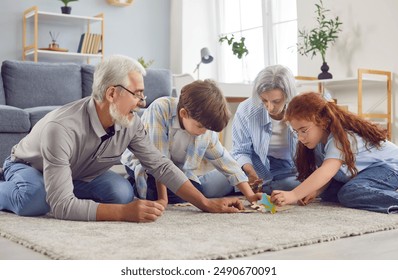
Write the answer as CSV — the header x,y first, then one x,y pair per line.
x,y
53,44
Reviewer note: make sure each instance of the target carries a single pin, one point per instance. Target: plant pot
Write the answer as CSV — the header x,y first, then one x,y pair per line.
x,y
66,10
325,74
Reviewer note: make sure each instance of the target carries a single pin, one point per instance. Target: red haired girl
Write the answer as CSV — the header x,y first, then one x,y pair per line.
x,y
344,157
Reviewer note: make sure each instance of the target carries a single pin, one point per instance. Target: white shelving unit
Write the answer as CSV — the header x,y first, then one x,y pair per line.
x,y
37,17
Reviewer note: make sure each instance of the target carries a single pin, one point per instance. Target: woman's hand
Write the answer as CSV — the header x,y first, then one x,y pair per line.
x,y
256,184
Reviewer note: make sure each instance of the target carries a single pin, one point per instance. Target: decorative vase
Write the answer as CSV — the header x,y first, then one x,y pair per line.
x,y
53,45
66,10
325,74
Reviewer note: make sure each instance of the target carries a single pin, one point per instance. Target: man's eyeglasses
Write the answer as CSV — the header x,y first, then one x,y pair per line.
x,y
303,132
139,93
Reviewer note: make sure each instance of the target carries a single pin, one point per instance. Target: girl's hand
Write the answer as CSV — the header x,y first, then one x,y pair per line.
x,y
280,198
309,198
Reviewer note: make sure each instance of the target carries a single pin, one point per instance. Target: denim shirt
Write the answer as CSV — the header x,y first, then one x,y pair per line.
x,y
251,136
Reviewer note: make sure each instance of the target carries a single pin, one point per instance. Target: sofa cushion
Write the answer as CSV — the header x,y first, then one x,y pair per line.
x,y
8,140
28,84
157,84
13,119
2,95
87,79
36,113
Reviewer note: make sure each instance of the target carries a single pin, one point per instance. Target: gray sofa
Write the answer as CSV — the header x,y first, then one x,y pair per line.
x,y
29,90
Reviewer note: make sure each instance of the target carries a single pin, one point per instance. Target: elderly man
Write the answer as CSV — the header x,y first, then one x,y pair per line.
x,y
63,164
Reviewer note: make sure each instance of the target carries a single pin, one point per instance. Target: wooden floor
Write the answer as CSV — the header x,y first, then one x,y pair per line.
x,y
375,246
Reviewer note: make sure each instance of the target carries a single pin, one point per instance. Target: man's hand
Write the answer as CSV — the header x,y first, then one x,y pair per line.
x,y
141,211
280,198
224,205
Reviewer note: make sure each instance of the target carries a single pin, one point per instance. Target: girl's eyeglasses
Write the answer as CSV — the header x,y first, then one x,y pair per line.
x,y
303,132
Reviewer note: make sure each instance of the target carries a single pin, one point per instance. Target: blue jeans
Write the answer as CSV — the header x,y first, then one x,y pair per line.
x,y
373,189
24,194
213,184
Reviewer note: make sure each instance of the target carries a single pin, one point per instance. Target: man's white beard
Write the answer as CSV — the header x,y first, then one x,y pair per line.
x,y
118,118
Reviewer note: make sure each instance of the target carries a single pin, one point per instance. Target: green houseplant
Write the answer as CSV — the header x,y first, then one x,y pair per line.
x,y
318,39
238,47
145,63
66,9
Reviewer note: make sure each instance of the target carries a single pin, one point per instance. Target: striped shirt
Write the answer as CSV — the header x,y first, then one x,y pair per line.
x,y
159,119
251,136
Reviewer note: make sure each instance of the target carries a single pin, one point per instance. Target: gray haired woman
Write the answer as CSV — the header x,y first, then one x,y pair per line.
x,y
263,144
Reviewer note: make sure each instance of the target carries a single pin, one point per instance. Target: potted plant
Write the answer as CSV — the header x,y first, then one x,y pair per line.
x,y
66,9
145,63
318,39
238,47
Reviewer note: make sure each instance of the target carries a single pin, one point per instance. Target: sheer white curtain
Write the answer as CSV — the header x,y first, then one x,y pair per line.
x,y
270,31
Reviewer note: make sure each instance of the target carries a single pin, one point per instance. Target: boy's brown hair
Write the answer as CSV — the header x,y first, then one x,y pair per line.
x,y
205,103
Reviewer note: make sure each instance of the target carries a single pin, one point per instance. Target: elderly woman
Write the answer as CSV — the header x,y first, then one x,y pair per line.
x,y
263,144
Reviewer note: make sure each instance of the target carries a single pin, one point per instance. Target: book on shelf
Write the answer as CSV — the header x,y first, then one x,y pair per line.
x,y
84,43
90,43
98,43
79,48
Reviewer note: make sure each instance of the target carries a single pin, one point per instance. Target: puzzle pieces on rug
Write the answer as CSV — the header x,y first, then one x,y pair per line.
x,y
265,205
183,204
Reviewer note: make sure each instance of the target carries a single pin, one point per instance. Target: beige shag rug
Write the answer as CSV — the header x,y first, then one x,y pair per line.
x,y
187,233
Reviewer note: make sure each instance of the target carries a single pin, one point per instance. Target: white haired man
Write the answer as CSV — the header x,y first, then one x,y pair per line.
x,y
63,164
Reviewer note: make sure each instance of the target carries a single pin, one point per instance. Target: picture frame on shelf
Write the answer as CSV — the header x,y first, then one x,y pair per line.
x,y
120,3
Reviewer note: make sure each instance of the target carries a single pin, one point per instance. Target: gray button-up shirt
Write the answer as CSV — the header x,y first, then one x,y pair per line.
x,y
66,145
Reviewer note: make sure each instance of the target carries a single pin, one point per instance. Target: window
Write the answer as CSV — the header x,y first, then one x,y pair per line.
x,y
270,31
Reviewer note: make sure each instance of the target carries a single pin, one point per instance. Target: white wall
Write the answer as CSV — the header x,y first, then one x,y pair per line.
x,y
142,29
368,40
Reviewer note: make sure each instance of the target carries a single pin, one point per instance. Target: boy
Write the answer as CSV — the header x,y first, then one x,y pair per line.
x,y
185,130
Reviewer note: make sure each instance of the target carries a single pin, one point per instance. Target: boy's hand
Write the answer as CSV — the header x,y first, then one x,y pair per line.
x,y
162,202
255,197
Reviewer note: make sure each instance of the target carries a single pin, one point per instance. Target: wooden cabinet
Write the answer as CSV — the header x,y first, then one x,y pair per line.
x,y
32,50
367,78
